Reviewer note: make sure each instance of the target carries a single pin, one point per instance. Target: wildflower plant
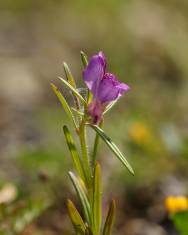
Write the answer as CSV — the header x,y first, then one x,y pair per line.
x,y
103,90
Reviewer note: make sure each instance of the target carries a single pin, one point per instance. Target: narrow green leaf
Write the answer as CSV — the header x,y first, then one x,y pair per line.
x,y
109,106
109,219
113,147
74,91
64,104
97,199
71,81
82,197
84,59
69,76
74,153
76,218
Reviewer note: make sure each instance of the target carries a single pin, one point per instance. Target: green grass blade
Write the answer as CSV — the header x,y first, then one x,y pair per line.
x,y
112,147
74,153
64,103
109,219
97,199
84,59
76,218
82,197
74,91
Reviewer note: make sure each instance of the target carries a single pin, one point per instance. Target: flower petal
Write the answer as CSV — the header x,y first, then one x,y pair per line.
x,y
94,72
110,88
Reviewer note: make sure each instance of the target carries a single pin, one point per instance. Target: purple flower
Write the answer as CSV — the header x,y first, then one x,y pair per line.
x,y
104,86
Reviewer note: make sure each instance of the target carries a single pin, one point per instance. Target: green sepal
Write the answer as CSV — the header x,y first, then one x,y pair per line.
x,y
112,147
74,153
74,91
97,198
82,197
76,218
64,103
109,219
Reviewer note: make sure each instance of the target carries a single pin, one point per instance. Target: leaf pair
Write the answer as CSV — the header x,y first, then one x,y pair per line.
x,y
81,228
71,85
95,222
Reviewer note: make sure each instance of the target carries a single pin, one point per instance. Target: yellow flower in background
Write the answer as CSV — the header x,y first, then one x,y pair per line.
x,y
139,132
170,204
176,204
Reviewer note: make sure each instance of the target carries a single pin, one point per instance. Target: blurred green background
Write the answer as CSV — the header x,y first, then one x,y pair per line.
x,y
146,45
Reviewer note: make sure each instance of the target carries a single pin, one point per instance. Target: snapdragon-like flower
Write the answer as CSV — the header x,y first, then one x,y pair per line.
x,y
104,86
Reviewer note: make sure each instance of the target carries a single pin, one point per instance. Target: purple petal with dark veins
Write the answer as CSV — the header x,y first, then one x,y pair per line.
x,y
110,88
94,72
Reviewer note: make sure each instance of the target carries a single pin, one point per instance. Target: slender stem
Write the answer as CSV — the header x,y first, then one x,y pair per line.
x,y
96,144
87,168
85,157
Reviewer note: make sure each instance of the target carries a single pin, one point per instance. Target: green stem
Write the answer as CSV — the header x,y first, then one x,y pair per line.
x,y
85,157
87,168
96,144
